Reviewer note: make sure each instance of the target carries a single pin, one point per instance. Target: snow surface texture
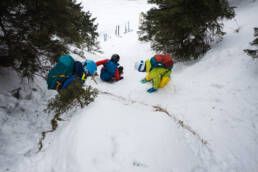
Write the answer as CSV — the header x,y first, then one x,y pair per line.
x,y
21,116
214,98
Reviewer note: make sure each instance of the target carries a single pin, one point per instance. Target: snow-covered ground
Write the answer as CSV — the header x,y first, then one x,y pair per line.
x,y
22,118
208,119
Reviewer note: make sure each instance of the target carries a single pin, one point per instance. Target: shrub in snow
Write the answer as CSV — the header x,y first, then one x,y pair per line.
x,y
72,97
254,52
183,28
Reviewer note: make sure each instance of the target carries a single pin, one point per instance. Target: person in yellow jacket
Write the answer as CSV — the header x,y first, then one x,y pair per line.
x,y
158,70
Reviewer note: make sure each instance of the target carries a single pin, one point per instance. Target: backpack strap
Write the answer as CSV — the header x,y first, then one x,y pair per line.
x,y
58,85
62,76
84,77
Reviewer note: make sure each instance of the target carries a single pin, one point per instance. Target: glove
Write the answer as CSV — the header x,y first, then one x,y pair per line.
x,y
121,77
151,90
143,81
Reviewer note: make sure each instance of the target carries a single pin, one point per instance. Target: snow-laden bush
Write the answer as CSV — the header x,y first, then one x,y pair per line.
x,y
72,97
34,34
184,29
253,52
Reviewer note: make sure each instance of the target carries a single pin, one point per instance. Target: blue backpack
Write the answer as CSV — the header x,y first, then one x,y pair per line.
x,y
108,71
60,72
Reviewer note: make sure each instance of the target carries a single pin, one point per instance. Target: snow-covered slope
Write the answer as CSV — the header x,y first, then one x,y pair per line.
x,y
207,118
21,116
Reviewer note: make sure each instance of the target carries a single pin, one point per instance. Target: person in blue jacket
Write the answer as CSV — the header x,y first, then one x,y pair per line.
x,y
111,71
81,70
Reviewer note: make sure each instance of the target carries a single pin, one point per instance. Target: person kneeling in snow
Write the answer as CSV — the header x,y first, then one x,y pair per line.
x,y
66,70
82,71
158,70
111,71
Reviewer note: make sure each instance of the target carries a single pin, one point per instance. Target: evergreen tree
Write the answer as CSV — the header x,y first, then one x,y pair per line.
x,y
34,32
254,52
184,28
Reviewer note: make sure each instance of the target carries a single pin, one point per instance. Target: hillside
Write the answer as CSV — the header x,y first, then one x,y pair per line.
x,y
205,119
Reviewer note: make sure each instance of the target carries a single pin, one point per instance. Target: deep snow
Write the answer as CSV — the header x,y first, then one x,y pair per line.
x,y
216,97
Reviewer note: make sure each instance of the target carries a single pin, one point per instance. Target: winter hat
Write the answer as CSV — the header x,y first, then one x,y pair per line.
x,y
140,66
89,67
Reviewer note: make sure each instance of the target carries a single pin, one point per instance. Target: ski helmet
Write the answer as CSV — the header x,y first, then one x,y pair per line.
x,y
140,66
115,58
89,67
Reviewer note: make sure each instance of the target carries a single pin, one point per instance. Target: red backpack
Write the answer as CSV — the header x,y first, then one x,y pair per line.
x,y
163,60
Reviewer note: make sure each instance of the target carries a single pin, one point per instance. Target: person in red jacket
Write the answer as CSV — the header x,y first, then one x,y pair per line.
x,y
111,71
